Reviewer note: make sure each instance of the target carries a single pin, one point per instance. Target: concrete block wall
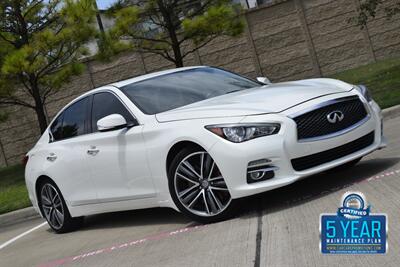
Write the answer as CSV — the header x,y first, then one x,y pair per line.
x,y
285,40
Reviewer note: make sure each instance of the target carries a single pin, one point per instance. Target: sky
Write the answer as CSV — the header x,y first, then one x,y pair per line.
x,y
103,4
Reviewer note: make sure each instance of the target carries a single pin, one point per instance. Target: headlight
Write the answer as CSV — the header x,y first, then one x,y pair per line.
x,y
242,132
364,91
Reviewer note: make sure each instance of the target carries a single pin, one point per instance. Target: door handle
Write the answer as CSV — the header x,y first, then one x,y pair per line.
x,y
51,157
93,151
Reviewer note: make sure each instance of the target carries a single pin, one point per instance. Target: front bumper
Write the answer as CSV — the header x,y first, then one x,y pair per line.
x,y
280,149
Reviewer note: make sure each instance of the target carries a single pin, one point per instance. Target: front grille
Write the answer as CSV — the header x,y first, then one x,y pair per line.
x,y
315,124
310,161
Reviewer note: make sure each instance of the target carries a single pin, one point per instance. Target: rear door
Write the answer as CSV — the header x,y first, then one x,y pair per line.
x,y
118,157
67,157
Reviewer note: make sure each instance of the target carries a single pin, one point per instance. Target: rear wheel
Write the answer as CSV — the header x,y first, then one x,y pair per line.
x,y
55,210
198,187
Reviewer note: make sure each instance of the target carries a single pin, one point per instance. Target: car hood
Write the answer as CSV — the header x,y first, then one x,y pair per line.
x,y
272,98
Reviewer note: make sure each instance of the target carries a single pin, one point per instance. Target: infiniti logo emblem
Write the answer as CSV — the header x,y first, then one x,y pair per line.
x,y
335,116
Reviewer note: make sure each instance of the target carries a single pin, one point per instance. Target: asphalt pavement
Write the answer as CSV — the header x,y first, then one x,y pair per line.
x,y
276,228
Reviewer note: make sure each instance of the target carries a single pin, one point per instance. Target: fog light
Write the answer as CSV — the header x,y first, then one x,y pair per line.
x,y
260,170
257,175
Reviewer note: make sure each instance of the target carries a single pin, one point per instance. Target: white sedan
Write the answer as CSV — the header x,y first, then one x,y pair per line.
x,y
194,139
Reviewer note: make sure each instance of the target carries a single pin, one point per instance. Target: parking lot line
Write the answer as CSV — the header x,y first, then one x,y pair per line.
x,y
187,229
21,235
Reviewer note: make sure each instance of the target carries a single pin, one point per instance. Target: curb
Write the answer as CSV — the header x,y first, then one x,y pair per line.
x,y
30,213
18,216
392,112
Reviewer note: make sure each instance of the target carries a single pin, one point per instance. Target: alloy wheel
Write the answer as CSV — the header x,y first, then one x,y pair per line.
x,y
199,185
52,206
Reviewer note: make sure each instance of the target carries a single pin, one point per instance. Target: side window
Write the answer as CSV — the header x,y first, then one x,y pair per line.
x,y
74,121
105,104
71,122
56,128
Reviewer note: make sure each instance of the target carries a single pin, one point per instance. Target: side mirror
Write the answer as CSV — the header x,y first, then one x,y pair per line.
x,y
111,122
263,80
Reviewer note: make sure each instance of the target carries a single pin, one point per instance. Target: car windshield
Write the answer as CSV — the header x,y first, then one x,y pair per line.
x,y
182,88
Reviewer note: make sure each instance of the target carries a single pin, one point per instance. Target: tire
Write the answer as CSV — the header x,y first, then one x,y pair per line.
x,y
347,165
201,194
54,209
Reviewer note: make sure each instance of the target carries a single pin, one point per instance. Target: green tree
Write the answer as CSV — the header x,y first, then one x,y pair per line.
x,y
368,9
172,29
41,42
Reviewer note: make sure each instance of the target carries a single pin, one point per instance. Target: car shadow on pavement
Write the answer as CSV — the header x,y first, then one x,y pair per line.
x,y
297,193
315,186
132,218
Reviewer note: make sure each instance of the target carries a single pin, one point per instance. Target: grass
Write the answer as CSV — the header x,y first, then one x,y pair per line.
x,y
382,79
13,192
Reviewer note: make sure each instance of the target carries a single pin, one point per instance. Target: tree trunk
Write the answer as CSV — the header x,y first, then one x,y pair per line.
x,y
172,34
41,116
178,57
39,106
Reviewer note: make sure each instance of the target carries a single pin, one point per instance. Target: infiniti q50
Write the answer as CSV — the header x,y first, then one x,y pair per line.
x,y
195,139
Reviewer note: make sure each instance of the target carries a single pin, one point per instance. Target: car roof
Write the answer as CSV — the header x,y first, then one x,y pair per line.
x,y
152,75
114,86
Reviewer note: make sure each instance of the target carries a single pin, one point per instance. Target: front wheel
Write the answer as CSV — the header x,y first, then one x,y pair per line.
x,y
55,210
198,188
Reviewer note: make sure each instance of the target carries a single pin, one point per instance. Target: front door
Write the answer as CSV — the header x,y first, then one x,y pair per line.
x,y
118,158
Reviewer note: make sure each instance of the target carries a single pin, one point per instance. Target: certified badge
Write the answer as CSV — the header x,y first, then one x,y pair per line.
x,y
353,229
